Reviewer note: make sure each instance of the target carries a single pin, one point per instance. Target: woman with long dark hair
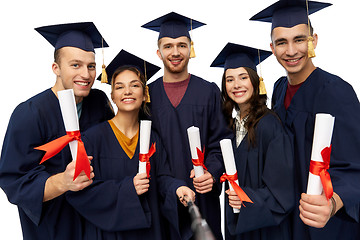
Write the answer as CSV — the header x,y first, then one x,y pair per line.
x,y
261,148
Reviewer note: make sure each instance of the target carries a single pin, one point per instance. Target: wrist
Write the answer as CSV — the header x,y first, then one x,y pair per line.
x,y
333,203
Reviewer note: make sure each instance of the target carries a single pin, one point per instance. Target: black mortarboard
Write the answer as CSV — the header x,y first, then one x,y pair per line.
x,y
289,13
173,25
124,58
235,56
83,35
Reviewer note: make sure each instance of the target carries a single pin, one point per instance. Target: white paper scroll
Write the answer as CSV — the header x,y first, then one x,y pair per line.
x,y
194,142
70,116
145,130
229,161
324,124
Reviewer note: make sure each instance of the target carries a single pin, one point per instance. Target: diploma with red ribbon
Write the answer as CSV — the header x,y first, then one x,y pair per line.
x,y
145,152
197,156
72,137
231,173
319,178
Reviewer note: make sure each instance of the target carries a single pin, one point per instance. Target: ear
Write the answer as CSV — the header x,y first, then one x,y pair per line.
x,y
56,69
272,48
159,54
315,37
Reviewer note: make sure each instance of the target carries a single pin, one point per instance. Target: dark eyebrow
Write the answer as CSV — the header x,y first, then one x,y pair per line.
x,y
300,37
280,40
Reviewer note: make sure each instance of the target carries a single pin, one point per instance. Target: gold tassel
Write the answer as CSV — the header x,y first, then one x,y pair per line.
x,y
147,94
262,89
192,51
311,51
104,78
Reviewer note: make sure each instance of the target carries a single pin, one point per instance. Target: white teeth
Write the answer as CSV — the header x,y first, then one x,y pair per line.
x,y
82,83
128,100
293,60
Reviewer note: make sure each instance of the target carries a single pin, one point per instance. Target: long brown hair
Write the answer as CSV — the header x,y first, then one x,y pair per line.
x,y
144,108
257,108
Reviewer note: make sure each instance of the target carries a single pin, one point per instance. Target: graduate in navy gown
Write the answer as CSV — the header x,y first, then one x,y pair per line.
x,y
122,203
36,189
262,152
180,100
297,98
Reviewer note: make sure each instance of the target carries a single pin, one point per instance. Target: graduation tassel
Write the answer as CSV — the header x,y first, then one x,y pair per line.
x,y
104,78
192,51
262,89
146,86
311,49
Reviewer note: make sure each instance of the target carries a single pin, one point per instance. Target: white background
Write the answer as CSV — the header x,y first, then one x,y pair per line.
x,y
26,57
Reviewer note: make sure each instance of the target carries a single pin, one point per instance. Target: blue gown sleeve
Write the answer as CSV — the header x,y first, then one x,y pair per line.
x,y
340,100
217,131
273,199
21,176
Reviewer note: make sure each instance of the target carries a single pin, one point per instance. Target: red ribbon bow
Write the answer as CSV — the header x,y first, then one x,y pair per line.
x,y
146,158
200,160
54,147
320,169
241,194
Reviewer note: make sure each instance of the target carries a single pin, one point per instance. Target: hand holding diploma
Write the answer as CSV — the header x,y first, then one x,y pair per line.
x,y
72,137
231,176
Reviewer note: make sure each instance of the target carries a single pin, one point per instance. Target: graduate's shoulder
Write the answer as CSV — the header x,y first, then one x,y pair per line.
x,y
41,102
334,86
97,130
269,123
204,83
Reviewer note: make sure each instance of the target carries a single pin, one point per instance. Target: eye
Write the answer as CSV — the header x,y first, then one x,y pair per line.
x,y
75,65
135,85
92,67
229,80
118,87
244,77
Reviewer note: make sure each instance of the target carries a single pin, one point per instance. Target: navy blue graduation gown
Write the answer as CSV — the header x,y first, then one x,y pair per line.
x,y
323,92
110,205
33,123
265,173
200,107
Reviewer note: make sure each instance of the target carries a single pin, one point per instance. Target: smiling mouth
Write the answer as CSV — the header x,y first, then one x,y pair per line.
x,y
176,61
239,94
292,61
126,100
82,83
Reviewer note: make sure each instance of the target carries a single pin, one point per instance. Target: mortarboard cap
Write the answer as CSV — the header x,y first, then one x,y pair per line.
x,y
289,13
83,35
173,25
124,58
235,56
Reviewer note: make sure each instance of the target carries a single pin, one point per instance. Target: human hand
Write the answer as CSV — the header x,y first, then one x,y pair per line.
x,y
141,183
204,183
81,182
315,210
234,200
185,194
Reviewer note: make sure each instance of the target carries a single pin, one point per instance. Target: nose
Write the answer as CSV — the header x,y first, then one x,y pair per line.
x,y
127,90
85,73
175,51
291,50
237,83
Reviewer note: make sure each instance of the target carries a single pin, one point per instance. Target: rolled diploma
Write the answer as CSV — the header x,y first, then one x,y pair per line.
x,y
324,124
194,142
229,161
70,116
145,129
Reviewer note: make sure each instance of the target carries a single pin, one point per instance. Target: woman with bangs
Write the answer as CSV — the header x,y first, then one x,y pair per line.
x,y
262,150
121,203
